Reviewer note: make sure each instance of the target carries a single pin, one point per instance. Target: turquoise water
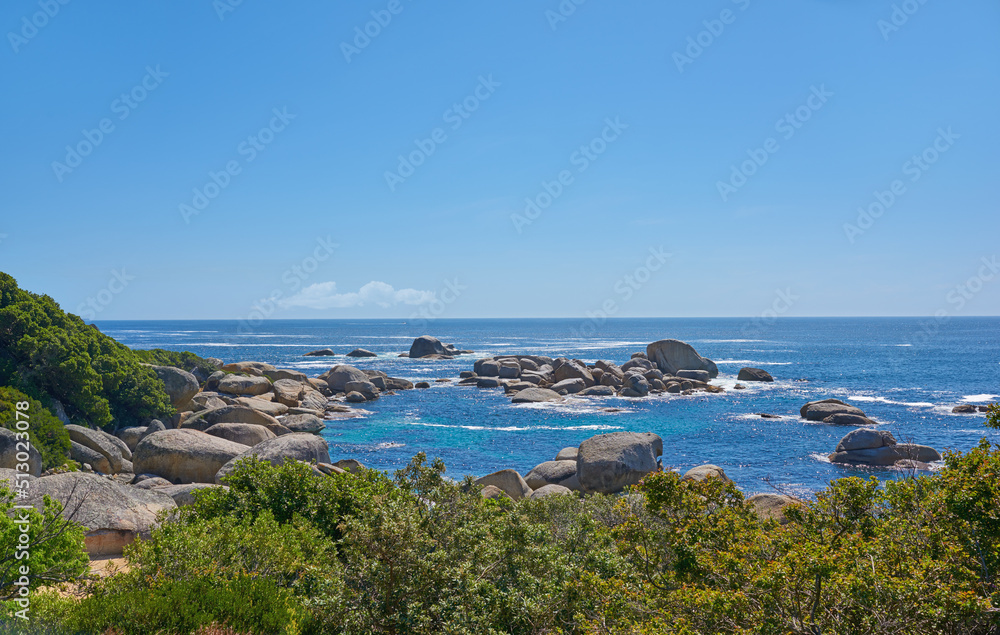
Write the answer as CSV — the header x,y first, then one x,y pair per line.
x,y
906,373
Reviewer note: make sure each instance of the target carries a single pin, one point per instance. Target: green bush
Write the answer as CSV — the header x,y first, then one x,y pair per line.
x,y
50,354
46,432
178,359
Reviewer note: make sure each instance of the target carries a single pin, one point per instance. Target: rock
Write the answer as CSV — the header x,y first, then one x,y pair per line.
x,y
290,447
536,395
488,368
154,426
638,363
395,383
573,370
271,408
10,448
754,374
252,368
349,465
984,408
366,388
466,374
514,387
244,385
493,492
489,382
844,419
697,375
82,454
329,469
184,494
131,436
9,477
97,442
203,401
550,490
671,356
339,376
634,386
887,455
673,387
509,481
910,464
288,392
864,438
184,456
701,472
550,473
230,414
125,451
360,352
597,391
569,386
152,483
431,347
248,434
510,369
179,385
421,384
609,463
567,454
312,400
114,515
356,397
772,506
739,387
292,375
819,410
212,383
965,409
310,424
323,352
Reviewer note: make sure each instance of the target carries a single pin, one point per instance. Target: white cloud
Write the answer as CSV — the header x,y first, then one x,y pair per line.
x,y
323,295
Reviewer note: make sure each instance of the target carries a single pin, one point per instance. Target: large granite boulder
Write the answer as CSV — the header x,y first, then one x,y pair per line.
x,y
553,473
550,490
184,494
82,454
568,386
131,436
509,481
9,449
879,448
567,454
184,456
754,374
289,447
573,370
361,352
427,346
701,472
536,395
247,434
114,515
820,410
288,392
845,419
244,385
179,385
323,352
634,386
772,506
304,423
366,388
339,376
609,463
230,414
272,408
671,356
96,441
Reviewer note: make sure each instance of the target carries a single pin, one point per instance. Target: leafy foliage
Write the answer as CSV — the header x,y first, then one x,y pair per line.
x,y
46,432
50,354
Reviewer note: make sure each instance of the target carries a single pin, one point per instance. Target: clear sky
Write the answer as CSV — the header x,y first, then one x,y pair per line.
x,y
187,159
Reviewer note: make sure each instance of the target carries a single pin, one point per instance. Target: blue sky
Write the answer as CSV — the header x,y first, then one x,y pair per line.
x,y
632,140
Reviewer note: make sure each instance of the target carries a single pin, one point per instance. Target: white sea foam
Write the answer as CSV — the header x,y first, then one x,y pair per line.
x,y
388,445
512,428
822,458
749,362
980,398
908,404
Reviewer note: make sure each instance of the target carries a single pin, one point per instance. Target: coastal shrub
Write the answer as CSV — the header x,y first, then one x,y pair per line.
x,y
46,433
56,550
53,355
184,360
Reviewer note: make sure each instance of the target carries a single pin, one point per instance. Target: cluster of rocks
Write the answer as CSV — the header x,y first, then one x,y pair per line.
x,y
836,412
865,446
423,347
667,366
968,409
358,386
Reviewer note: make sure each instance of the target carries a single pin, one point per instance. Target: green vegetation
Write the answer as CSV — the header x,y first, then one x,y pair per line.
x,y
52,355
178,359
46,432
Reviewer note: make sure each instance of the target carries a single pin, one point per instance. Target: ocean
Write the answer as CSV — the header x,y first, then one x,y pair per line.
x,y
906,373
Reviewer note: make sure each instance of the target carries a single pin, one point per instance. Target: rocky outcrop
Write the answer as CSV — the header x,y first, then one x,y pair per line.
x,y
360,352
184,456
553,473
323,352
568,386
179,385
86,456
339,376
879,448
820,410
426,346
244,385
114,515
671,356
243,433
230,414
303,423
10,447
608,463
536,395
96,441
290,447
509,481
845,419
754,374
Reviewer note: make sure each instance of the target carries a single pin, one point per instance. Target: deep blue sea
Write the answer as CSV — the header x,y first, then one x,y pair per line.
x,y
907,373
